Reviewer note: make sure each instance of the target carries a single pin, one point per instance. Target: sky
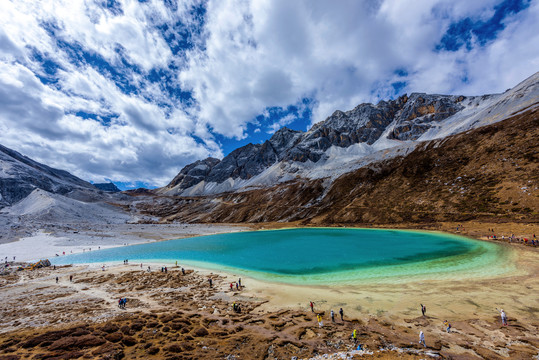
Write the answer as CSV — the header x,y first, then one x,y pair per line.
x,y
132,91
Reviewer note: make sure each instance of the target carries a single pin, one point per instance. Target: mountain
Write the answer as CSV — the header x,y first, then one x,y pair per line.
x,y
350,140
20,176
108,187
490,173
32,194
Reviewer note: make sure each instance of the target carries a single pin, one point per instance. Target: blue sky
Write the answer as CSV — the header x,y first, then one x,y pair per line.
x,y
132,91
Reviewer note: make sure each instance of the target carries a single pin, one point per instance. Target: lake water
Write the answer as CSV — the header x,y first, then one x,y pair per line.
x,y
319,255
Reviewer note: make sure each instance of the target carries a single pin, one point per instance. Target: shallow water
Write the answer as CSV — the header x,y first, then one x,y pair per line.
x,y
320,255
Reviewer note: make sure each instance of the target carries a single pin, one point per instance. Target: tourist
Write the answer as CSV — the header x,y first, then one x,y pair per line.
x,y
422,338
57,279
332,316
70,278
166,270
231,287
447,326
423,309
141,265
354,336
311,304
239,281
149,269
210,281
319,318
342,314
503,316
183,271
237,287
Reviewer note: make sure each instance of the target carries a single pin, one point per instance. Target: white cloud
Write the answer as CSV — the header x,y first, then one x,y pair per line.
x,y
250,56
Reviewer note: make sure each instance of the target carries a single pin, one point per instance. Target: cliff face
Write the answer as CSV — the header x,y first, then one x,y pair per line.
x,y
349,140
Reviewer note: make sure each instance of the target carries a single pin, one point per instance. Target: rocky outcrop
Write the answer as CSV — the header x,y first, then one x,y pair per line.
x,y
107,187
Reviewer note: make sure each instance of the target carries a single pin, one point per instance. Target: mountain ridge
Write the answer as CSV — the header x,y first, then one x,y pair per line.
x,y
366,133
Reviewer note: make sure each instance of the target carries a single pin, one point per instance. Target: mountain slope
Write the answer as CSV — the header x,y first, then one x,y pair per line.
x,y
20,176
487,173
351,140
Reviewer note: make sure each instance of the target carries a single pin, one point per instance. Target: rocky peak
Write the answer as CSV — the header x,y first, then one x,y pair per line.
x,y
194,173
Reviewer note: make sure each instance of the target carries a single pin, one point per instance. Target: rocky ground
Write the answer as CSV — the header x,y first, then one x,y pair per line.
x,y
179,316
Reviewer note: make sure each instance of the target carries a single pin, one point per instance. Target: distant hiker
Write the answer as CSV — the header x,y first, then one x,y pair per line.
x,y
239,281
319,318
54,268
237,287
176,263
423,309
503,316
210,281
57,279
342,314
71,278
311,304
141,265
149,269
166,270
354,336
332,316
447,326
234,306
231,287
183,271
422,338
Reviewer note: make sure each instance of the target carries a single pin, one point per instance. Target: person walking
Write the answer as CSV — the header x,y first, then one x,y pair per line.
x,y
319,318
57,279
423,309
342,314
311,304
332,316
447,326
422,338
354,336
210,281
70,278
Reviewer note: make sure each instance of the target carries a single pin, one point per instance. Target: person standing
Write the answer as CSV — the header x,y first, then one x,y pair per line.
x,y
57,279
311,304
332,316
354,336
319,318
504,317
422,338
423,309
210,281
70,278
342,314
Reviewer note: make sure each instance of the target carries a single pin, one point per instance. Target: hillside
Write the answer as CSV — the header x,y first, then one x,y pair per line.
x,y
490,173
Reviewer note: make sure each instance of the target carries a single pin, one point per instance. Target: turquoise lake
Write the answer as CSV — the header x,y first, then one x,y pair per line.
x,y
318,255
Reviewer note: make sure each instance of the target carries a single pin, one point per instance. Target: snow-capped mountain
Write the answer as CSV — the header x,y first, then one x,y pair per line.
x,y
350,140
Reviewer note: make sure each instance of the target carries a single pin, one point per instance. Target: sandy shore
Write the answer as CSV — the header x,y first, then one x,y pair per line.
x,y
176,316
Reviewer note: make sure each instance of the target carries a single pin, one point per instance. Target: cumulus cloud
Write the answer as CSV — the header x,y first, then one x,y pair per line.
x,y
133,91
